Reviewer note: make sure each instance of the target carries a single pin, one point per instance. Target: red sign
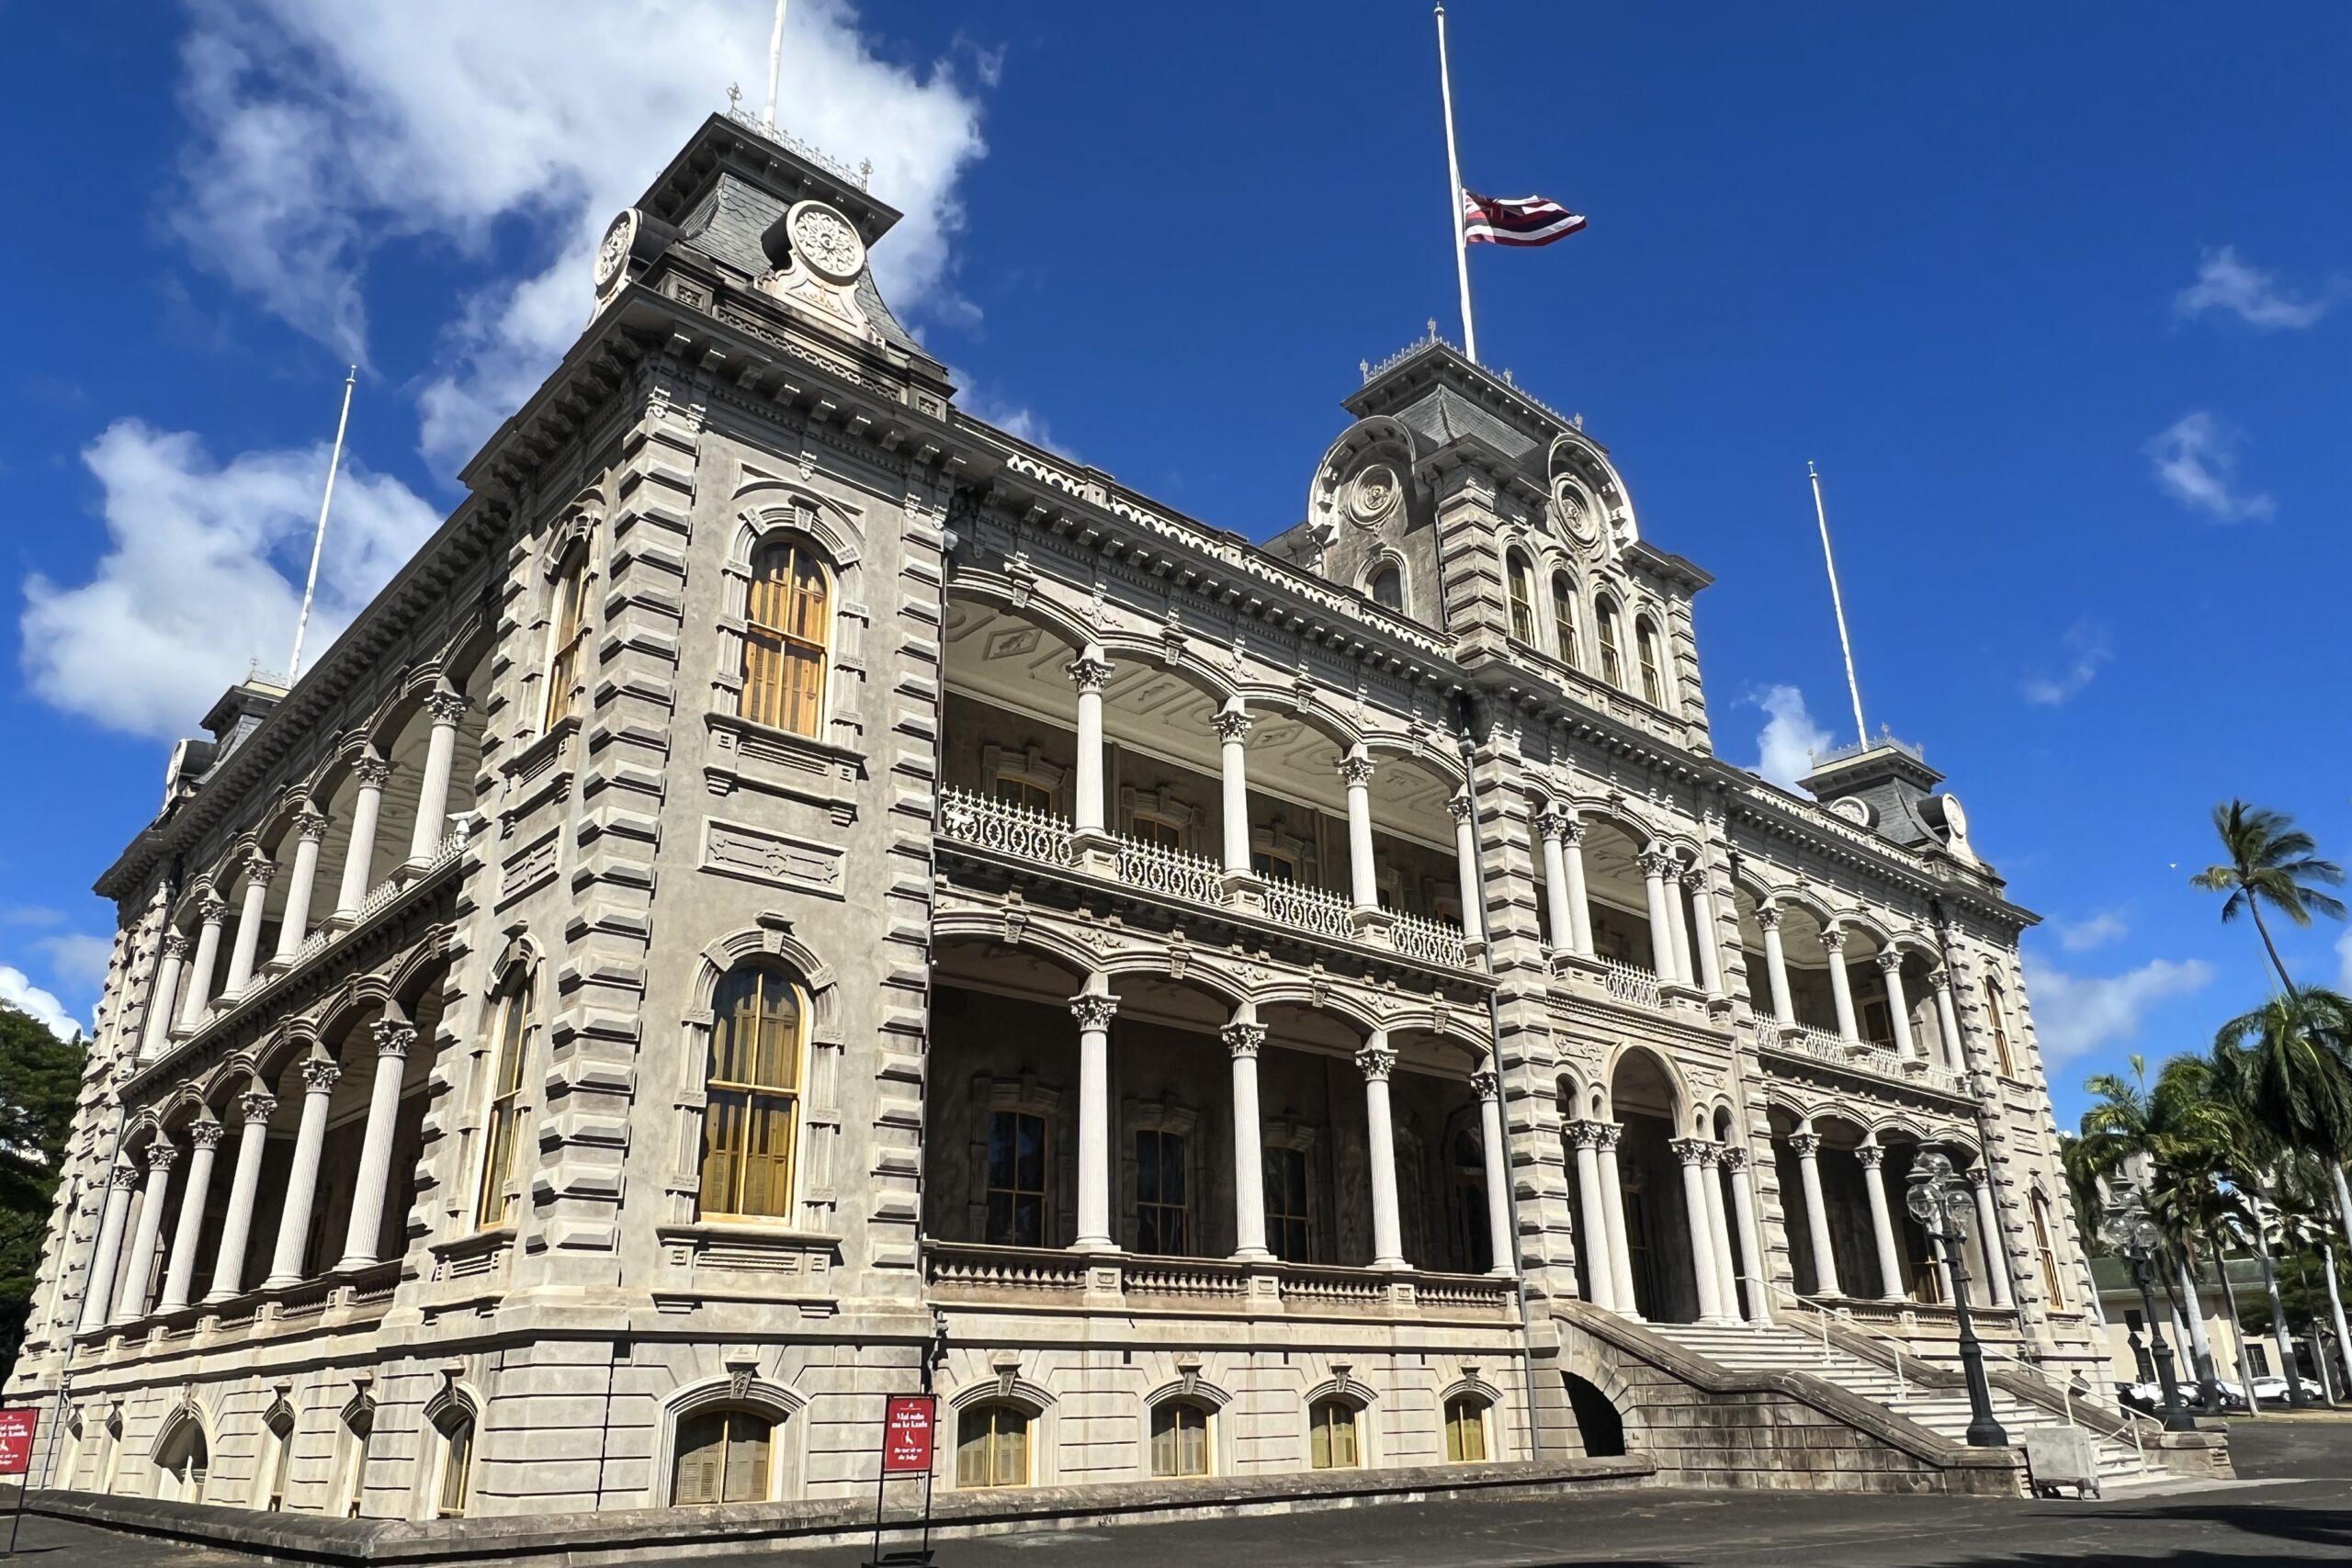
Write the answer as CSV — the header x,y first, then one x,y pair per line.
x,y
17,1429
907,1428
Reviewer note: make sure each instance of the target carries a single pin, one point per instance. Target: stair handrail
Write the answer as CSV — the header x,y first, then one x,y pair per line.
x,y
1902,1384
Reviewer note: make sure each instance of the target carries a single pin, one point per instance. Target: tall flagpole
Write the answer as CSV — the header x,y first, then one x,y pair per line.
x,y
319,538
1838,603
776,63
1453,197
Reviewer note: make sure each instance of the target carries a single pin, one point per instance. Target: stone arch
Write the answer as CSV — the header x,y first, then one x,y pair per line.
x,y
1575,454
181,1451
741,1388
1665,1065
767,505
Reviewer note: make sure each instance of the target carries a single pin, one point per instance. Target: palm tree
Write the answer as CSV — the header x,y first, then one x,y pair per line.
x,y
2271,861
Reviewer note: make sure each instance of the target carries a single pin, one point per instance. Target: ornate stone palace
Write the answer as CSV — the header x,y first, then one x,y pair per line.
x,y
794,890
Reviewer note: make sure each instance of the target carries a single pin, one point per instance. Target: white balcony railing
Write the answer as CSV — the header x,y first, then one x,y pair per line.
x,y
1172,874
1629,983
1311,910
1430,940
1008,829
1804,1039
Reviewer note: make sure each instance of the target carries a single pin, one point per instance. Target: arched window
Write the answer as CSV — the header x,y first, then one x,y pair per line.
x,y
1387,587
1563,618
494,1199
1331,1434
182,1464
992,1446
1180,1438
277,1457
1653,676
724,1456
1997,1016
1465,1430
752,1082
351,1460
785,641
567,634
455,1424
2046,1249
1523,599
1613,663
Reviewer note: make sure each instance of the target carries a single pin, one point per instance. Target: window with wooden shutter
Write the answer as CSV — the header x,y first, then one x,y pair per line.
x,y
457,1466
992,1447
1653,674
1522,600
752,1119
1465,1430
786,637
1331,1434
1564,617
724,1456
1180,1438
568,636
495,1198
1613,662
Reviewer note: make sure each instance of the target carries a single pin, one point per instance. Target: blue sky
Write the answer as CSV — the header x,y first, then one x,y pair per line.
x,y
2059,302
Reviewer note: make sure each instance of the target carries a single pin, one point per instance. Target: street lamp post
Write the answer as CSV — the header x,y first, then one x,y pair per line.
x,y
1942,1202
2130,1231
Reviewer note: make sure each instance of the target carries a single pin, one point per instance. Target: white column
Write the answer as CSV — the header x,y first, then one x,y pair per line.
x,y
1890,966
1677,928
1776,963
359,855
1466,867
1556,910
440,756
161,1155
244,1188
302,1180
179,1271
371,1187
259,872
211,914
1751,1248
1363,878
1089,671
1612,1195
97,1289
1502,1234
1842,985
1654,873
1947,1019
1600,1275
1719,1234
1807,1147
1243,1038
1377,1061
1093,1008
166,992
1892,1284
1580,900
1703,942
294,924
1692,1153
1232,731
1988,1238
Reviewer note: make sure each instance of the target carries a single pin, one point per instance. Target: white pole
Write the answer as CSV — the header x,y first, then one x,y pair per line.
x,y
776,63
319,538
1838,603
1454,195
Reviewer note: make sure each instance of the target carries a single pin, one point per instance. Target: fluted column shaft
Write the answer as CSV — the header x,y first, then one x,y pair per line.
x,y
1677,928
1988,1238
1842,985
179,1271
1807,1147
302,1181
1751,1246
1501,1234
1378,1062
1719,1234
295,924
1243,1038
1232,735
212,913
1703,945
1612,1196
1654,873
364,1230
245,1190
359,855
1089,671
440,758
1364,877
97,1292
1601,1273
1465,863
1947,1020
1579,900
1890,966
259,874
148,1233
1093,1009
159,1003
1776,963
1890,1260
1692,1153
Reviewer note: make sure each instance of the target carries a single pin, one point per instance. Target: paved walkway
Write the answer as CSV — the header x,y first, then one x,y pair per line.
x,y
2300,1511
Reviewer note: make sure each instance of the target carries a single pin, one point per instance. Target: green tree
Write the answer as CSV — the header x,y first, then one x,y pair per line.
x,y
2271,862
40,1078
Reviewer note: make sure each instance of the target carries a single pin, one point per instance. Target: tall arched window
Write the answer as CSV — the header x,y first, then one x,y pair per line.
x,y
1387,587
724,1456
1180,1438
2046,1250
277,1457
992,1446
785,641
1997,1018
1465,1430
1653,676
752,1083
1613,663
495,1198
1523,599
182,1464
1564,617
567,634
1331,1434
359,1425
455,1424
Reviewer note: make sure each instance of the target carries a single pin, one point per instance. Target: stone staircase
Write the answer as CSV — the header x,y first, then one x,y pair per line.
x,y
1782,1348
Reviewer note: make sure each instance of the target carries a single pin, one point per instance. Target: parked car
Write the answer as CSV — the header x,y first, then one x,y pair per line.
x,y
2270,1388
2233,1396
2145,1397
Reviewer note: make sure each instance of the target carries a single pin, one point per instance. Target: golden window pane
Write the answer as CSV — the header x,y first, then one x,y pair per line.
x,y
457,1469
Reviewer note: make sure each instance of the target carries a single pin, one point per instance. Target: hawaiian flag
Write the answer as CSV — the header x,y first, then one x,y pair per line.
x,y
1524,220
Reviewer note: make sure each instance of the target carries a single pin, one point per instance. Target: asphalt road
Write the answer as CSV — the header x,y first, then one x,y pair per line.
x,y
2300,1511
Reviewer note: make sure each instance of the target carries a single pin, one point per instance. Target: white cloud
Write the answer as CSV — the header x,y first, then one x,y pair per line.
x,y
186,592
2226,283
324,133
1789,738
17,990
2197,463
2075,1015
76,958
2344,961
2086,650
2095,930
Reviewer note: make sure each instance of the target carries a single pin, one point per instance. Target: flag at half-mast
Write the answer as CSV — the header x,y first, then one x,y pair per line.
x,y
1516,221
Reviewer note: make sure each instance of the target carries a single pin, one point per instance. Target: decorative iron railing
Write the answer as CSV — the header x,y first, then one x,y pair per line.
x,y
1430,940
1172,874
1007,829
1311,910
1629,983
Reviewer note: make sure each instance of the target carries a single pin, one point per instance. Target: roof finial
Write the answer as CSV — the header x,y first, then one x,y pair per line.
x,y
734,97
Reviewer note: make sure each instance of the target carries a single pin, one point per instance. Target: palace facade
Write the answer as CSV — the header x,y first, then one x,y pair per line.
x,y
793,891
